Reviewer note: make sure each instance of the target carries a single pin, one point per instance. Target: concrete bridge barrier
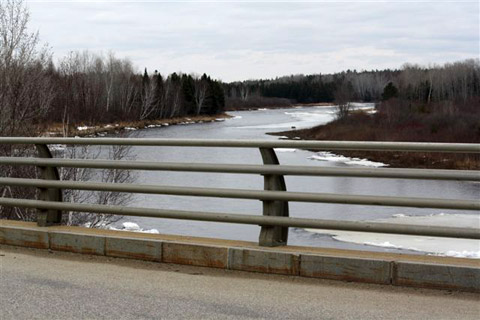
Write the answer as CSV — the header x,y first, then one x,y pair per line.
x,y
346,265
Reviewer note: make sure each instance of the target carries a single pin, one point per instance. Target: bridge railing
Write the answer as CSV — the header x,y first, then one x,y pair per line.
x,y
275,220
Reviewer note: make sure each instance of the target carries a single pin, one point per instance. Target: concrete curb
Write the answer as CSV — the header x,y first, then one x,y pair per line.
x,y
263,261
436,276
346,268
131,248
359,266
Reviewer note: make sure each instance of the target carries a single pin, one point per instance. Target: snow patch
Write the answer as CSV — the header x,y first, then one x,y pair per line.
x,y
465,248
362,105
133,227
152,231
83,128
463,254
331,157
57,147
384,244
284,150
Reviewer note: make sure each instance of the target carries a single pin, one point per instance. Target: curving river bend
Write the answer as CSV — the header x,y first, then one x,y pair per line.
x,y
255,125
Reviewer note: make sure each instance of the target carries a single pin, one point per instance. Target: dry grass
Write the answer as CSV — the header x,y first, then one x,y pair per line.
x,y
364,127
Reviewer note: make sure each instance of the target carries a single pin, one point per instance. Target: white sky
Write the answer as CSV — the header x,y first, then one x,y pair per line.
x,y
249,40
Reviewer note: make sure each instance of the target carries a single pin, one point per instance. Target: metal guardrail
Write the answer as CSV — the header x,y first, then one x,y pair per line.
x,y
275,220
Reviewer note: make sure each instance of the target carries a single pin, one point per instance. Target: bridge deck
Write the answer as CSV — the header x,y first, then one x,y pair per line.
x,y
49,284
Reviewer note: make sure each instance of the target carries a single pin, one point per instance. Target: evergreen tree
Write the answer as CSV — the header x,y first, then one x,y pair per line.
x,y
159,95
390,91
188,89
145,81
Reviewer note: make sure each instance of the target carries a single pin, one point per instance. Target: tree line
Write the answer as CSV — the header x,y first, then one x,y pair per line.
x,y
458,82
86,87
89,88
93,88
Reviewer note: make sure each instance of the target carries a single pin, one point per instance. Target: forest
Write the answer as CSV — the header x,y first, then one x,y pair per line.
x,y
85,87
457,82
88,88
415,104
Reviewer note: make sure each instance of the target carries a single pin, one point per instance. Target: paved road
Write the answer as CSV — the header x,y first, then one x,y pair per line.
x,y
36,284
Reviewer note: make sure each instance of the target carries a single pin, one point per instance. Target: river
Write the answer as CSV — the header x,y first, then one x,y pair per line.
x,y
255,125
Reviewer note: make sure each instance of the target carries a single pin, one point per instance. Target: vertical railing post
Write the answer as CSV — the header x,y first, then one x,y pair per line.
x,y
272,236
48,217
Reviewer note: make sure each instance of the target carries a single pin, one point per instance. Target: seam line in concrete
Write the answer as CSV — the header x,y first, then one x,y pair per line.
x,y
392,267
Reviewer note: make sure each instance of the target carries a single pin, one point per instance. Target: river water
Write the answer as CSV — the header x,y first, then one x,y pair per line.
x,y
255,125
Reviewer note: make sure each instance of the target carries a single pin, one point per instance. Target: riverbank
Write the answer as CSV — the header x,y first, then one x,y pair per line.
x,y
365,127
100,130
252,107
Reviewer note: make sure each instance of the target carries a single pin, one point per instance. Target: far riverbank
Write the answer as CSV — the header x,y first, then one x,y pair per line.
x,y
361,126
274,104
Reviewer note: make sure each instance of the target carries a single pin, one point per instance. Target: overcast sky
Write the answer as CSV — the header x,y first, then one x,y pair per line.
x,y
249,40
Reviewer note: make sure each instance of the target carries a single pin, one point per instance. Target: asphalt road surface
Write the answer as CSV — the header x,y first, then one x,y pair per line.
x,y
38,284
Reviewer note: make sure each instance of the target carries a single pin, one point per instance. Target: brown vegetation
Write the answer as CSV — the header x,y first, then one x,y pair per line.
x,y
398,120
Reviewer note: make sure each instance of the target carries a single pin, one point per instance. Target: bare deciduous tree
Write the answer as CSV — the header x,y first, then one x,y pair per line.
x,y
148,105
343,97
26,91
244,91
200,93
93,220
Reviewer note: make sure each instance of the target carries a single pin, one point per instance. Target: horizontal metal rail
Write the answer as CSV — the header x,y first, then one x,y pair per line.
x,y
359,226
250,194
318,145
459,175
275,198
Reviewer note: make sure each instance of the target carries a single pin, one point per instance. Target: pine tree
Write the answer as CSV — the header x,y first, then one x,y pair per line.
x,y
390,91
188,89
